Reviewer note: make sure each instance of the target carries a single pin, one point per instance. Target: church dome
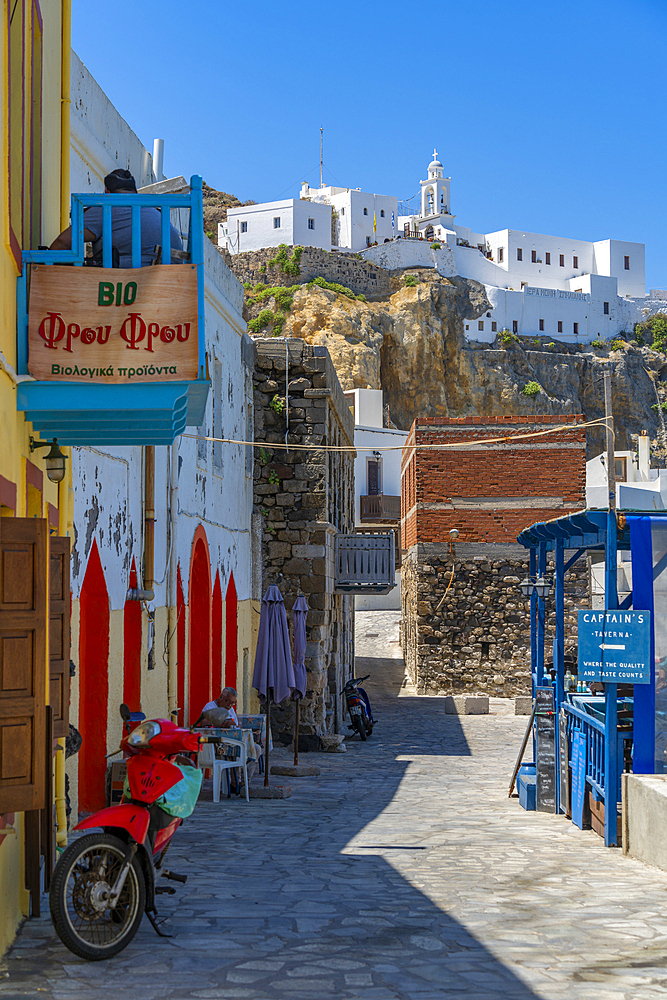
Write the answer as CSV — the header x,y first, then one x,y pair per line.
x,y
435,164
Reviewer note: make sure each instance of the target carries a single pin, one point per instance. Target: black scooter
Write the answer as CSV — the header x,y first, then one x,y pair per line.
x,y
359,707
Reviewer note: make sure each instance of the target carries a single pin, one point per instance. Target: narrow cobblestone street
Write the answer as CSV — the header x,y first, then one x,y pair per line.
x,y
403,871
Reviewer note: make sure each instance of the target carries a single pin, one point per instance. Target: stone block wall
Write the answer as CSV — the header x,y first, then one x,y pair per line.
x,y
302,498
465,623
361,276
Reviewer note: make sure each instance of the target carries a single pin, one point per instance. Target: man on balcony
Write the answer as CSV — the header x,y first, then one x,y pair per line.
x,y
121,182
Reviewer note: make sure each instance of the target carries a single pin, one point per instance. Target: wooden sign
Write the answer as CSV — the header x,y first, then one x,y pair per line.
x,y
106,326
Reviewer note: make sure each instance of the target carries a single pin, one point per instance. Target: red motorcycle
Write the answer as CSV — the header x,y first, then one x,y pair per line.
x,y
105,882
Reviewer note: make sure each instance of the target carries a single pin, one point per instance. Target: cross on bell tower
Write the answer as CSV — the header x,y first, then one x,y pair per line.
x,y
435,190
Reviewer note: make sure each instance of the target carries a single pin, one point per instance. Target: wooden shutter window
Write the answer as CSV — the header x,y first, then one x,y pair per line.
x,y
23,610
59,624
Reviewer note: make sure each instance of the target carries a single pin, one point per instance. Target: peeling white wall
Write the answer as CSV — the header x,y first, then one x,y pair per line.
x,y
101,140
214,482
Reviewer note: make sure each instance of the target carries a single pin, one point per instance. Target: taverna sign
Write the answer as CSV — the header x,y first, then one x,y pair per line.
x,y
108,325
615,646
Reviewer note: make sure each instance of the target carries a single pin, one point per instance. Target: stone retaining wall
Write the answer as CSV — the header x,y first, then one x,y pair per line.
x,y
470,631
301,500
345,269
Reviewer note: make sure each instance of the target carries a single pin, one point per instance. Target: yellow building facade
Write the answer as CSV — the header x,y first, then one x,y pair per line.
x,y
34,147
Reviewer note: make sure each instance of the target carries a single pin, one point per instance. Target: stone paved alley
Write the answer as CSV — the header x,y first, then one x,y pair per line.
x,y
403,871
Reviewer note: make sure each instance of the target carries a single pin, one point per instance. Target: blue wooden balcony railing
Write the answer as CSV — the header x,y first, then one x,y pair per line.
x,y
144,413
594,734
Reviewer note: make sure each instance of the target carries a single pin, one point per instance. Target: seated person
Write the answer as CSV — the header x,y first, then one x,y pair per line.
x,y
212,712
121,182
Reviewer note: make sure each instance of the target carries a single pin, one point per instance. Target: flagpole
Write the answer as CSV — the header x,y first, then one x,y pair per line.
x,y
321,157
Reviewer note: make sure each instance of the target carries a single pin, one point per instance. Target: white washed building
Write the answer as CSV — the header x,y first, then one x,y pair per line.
x,y
170,647
293,222
377,482
345,218
571,290
360,218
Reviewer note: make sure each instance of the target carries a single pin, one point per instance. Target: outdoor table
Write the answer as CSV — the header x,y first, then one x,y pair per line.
x,y
258,725
235,733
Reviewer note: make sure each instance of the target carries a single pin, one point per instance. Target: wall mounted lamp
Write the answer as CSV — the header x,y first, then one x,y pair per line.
x,y
55,460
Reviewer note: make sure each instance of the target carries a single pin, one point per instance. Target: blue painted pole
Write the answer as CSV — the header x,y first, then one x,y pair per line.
x,y
611,603
107,254
533,621
559,651
541,615
197,258
611,698
136,236
22,321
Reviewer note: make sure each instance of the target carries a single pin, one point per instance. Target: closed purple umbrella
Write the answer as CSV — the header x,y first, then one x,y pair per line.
x,y
273,676
299,612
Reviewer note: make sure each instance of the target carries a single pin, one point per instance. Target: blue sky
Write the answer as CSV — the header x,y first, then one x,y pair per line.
x,y
549,116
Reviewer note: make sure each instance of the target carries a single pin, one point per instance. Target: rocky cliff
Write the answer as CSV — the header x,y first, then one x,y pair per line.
x,y
412,344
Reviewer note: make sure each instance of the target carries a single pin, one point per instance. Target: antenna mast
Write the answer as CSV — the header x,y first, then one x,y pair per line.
x,y
321,157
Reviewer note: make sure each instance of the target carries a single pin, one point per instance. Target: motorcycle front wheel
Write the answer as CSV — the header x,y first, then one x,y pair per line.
x,y
359,726
80,904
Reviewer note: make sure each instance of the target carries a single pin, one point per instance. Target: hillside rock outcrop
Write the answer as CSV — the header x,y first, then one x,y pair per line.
x,y
399,344
412,344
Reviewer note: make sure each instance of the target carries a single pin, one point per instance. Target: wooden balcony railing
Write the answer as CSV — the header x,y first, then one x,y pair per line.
x,y
380,508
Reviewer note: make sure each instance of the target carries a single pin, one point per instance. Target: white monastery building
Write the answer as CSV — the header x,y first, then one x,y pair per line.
x,y
327,217
538,285
293,222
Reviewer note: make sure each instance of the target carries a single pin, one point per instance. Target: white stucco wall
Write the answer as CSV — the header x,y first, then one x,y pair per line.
x,y
214,481
367,440
262,232
101,140
402,253
353,228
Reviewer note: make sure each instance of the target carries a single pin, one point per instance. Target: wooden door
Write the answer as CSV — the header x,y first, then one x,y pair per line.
x,y
23,655
59,653
373,477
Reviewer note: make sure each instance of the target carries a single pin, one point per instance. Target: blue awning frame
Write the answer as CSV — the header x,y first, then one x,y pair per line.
x,y
589,529
140,414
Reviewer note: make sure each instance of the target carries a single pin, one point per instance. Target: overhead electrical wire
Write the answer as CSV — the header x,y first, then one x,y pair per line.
x,y
456,445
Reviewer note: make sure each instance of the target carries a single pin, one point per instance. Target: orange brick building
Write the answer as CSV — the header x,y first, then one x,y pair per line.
x,y
468,630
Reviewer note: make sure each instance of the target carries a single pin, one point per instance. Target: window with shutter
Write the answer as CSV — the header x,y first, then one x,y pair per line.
x,y
23,654
59,655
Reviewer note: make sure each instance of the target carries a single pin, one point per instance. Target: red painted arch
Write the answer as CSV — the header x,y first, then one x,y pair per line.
x,y
93,684
231,634
132,636
216,638
200,625
180,647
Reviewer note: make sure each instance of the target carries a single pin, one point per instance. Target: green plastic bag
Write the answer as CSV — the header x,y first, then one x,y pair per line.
x,y
179,800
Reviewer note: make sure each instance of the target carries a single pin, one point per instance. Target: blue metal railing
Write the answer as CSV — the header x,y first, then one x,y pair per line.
x,y
594,734
192,200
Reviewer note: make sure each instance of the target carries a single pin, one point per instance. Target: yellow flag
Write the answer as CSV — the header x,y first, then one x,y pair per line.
x,y
374,223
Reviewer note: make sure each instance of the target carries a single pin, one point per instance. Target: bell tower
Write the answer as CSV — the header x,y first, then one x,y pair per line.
x,y
435,190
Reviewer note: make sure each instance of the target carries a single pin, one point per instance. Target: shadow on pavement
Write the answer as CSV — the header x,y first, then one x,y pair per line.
x,y
434,733
286,900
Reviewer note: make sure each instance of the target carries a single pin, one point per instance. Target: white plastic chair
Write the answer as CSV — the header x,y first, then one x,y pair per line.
x,y
208,759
